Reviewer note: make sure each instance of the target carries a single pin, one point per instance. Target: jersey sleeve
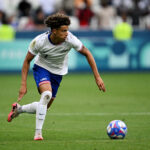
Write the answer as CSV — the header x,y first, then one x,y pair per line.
x,y
75,42
34,47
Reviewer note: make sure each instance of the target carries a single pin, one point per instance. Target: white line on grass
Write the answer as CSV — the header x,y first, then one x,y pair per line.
x,y
100,114
95,114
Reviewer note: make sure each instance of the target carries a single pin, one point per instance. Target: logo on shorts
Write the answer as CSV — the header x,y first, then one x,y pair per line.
x,y
43,79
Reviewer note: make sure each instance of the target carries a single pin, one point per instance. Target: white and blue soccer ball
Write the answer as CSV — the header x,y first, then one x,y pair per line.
x,y
117,129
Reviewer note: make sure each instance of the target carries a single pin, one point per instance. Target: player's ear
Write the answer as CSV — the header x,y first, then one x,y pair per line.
x,y
54,31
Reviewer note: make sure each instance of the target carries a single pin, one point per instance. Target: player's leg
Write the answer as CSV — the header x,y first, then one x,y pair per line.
x,y
44,80
31,108
28,108
17,109
46,94
41,76
53,86
14,112
50,102
55,83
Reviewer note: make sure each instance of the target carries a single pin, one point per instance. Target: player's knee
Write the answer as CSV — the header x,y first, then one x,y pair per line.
x,y
45,97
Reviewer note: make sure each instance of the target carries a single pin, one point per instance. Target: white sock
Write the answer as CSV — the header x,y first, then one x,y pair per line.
x,y
42,109
38,132
40,116
29,108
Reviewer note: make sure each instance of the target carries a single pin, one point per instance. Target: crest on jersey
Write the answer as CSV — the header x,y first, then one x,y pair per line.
x,y
33,44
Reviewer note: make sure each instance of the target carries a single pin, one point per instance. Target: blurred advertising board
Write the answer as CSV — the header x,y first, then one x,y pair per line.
x,y
112,55
109,54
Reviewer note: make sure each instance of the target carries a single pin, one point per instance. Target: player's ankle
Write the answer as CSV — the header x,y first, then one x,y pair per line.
x,y
38,132
19,109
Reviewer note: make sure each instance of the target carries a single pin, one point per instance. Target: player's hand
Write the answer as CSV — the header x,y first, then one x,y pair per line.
x,y
22,92
100,84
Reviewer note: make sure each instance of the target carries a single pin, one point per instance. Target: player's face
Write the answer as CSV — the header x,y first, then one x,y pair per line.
x,y
62,32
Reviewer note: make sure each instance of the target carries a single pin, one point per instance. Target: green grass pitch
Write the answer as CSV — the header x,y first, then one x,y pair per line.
x,y
78,118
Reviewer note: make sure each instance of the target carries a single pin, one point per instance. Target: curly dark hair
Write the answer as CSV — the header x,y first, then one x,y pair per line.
x,y
55,21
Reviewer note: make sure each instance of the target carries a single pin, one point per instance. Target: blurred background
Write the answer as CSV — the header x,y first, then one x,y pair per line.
x,y
117,32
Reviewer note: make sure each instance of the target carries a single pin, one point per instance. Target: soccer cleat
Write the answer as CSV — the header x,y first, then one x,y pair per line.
x,y
38,137
14,113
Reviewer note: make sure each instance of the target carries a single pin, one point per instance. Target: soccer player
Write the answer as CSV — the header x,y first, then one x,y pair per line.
x,y
51,51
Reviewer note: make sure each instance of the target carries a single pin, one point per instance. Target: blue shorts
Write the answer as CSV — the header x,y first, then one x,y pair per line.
x,y
42,76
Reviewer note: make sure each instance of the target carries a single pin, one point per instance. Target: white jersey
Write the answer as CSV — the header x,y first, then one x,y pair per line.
x,y
53,58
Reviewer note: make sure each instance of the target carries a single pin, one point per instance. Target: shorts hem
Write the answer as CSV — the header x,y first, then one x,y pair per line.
x,y
44,82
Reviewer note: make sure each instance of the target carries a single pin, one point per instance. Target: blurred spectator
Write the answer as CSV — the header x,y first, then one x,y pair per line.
x,y
75,25
95,6
122,5
123,30
24,8
106,16
84,13
137,13
7,33
146,21
81,3
1,16
26,23
13,19
8,6
93,14
1,5
48,6
39,19
68,7
144,4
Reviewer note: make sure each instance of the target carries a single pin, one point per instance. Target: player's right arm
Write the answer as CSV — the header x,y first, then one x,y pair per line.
x,y
26,65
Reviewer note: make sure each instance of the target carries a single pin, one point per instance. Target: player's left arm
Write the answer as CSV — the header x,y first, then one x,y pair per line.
x,y
84,51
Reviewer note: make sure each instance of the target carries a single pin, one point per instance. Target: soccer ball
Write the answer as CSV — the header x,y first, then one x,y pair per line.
x,y
117,129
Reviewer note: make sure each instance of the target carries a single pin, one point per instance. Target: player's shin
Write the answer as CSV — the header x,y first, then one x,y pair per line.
x,y
29,108
41,111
